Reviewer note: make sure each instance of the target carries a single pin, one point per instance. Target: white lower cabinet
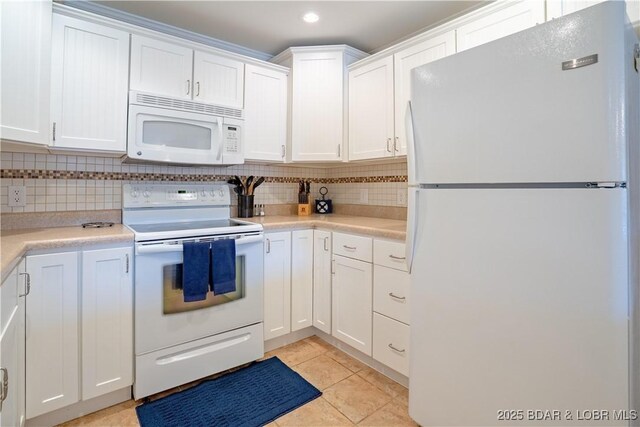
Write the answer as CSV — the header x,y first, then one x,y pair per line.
x,y
352,302
322,280
52,364
12,370
391,343
301,279
391,293
277,284
79,334
107,321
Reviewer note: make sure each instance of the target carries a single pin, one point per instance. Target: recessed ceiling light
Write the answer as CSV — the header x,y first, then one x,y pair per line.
x,y
311,17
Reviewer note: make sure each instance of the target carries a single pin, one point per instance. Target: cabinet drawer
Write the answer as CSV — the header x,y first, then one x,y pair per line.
x,y
353,246
391,293
389,254
391,343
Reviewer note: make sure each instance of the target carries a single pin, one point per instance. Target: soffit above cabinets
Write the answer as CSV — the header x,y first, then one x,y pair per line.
x,y
272,26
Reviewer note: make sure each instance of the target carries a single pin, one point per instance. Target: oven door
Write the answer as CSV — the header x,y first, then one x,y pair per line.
x,y
162,135
163,319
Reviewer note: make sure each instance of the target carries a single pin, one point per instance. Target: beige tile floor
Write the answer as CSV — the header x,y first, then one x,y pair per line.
x,y
352,393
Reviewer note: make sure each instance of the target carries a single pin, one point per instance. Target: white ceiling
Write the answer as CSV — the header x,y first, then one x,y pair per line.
x,y
272,26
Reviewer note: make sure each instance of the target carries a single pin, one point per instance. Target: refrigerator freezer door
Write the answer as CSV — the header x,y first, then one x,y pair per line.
x,y
519,301
507,112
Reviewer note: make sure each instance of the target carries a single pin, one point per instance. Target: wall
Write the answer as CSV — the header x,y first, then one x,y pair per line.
x,y
75,183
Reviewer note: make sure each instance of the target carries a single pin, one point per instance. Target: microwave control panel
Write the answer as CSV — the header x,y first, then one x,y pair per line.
x,y
232,139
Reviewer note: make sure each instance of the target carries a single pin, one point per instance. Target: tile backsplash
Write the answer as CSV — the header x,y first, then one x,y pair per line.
x,y
70,183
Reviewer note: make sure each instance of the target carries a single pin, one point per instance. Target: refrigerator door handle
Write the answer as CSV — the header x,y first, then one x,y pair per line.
x,y
412,225
411,146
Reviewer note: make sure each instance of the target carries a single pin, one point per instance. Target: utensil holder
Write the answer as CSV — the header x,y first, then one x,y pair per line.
x,y
245,206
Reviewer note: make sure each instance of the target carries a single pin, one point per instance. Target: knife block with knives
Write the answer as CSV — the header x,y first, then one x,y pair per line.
x,y
304,205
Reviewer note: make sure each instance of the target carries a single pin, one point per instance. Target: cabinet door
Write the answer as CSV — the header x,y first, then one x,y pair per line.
x,y
515,17
301,279
107,321
25,37
322,280
371,110
317,106
161,68
405,61
90,66
265,109
352,302
218,80
558,8
9,348
12,348
277,284
52,333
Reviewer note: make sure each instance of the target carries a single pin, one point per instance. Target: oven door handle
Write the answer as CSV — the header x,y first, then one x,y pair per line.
x,y
156,248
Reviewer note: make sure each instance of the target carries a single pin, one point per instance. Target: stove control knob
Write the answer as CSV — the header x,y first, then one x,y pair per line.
x,y
212,192
134,193
221,193
146,193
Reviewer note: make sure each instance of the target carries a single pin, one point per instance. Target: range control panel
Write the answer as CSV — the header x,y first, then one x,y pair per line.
x,y
148,195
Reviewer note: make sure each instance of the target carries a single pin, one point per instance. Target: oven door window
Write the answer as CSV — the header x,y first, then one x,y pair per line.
x,y
173,299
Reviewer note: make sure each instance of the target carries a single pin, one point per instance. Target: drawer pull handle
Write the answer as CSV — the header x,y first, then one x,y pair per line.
x,y
5,385
27,284
396,349
350,248
399,258
391,294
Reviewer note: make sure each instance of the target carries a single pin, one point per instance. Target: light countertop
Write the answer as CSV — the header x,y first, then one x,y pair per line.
x,y
375,227
15,243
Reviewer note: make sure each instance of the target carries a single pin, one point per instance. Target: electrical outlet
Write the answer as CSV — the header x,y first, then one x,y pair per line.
x,y
17,195
364,195
401,199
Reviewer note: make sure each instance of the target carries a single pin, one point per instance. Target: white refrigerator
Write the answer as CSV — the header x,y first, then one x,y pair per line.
x,y
523,228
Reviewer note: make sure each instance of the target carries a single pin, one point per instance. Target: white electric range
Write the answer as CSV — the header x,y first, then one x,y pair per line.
x,y
175,341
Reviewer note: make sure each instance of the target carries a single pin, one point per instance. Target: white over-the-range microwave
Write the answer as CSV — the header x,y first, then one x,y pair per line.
x,y
169,130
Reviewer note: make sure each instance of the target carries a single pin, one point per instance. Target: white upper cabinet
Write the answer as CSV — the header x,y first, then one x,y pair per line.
x,y
25,35
107,321
371,133
378,95
218,80
168,69
265,109
406,60
515,17
558,8
161,68
318,100
90,68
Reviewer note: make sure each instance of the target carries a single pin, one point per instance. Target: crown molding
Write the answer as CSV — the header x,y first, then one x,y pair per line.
x,y
150,24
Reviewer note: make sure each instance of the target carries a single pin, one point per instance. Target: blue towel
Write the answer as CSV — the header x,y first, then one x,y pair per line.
x,y
195,270
223,263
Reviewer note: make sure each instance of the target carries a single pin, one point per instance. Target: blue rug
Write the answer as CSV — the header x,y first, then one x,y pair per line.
x,y
250,397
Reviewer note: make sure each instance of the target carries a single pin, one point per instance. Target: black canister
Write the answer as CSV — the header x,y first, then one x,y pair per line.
x,y
245,206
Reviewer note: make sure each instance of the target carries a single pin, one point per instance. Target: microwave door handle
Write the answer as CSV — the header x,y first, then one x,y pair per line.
x,y
221,138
